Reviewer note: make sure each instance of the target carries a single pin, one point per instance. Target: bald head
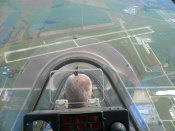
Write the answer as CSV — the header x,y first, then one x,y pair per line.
x,y
78,88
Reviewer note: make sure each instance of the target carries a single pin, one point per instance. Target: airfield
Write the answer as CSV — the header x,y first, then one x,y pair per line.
x,y
138,43
38,56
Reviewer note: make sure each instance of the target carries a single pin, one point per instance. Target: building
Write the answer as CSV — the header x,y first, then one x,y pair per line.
x,y
172,20
131,11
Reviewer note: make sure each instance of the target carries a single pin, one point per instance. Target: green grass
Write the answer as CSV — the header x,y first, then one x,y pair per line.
x,y
93,16
2,78
11,20
174,123
172,76
15,67
38,20
67,15
5,34
148,59
71,13
114,28
116,6
149,13
164,47
125,47
168,126
168,13
3,4
21,30
11,82
12,107
155,79
163,105
15,5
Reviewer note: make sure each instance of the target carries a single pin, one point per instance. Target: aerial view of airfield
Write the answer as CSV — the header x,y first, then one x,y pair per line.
x,y
137,36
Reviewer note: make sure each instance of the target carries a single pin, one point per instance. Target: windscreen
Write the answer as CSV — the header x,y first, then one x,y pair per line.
x,y
76,88
135,37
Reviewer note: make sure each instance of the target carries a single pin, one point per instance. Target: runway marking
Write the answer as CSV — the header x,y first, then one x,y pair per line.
x,y
76,43
77,46
11,89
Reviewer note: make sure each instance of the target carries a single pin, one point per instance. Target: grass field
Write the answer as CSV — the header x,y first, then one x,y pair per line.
x,y
95,3
168,126
171,75
165,47
5,33
66,13
3,4
148,59
125,47
150,13
50,18
113,28
38,21
4,13
155,79
11,20
165,14
163,105
116,6
7,23
12,107
2,79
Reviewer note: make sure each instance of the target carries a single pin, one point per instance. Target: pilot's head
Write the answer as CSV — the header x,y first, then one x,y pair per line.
x,y
78,89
